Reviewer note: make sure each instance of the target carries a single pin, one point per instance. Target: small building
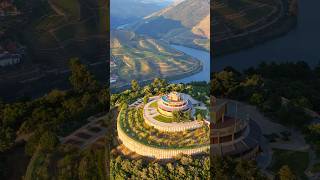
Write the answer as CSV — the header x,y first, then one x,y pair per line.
x,y
174,101
233,133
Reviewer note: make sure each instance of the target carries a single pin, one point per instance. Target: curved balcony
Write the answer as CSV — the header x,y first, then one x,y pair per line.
x,y
230,126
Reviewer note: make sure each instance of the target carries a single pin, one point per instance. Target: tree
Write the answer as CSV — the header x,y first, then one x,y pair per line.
x,y
66,168
177,116
285,173
7,137
187,115
256,99
145,99
247,170
221,168
48,141
292,115
55,96
87,167
135,85
104,97
124,106
199,117
32,143
81,79
12,114
223,83
147,90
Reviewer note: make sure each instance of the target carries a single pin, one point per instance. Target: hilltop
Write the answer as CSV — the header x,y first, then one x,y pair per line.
x,y
186,23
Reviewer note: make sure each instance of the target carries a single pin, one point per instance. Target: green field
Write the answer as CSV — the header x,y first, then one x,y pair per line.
x,y
154,105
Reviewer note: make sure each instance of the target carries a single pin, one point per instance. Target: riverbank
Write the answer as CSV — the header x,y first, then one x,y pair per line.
x,y
202,73
148,81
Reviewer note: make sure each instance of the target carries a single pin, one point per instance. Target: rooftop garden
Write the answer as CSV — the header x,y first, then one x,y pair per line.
x,y
132,122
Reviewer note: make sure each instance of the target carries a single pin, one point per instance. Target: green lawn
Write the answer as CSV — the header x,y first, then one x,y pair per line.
x,y
296,160
163,119
154,105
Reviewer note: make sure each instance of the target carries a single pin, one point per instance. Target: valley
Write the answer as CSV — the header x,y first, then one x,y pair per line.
x,y
143,58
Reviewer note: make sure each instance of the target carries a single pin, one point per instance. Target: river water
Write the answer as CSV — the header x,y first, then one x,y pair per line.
x,y
203,56
301,43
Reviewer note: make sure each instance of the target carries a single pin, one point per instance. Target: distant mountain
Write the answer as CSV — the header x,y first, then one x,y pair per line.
x,y
128,11
184,22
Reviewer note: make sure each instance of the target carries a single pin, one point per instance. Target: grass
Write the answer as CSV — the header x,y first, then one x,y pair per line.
x,y
296,160
154,105
164,119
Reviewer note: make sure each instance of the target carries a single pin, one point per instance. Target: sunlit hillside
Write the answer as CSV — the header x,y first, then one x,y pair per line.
x,y
144,58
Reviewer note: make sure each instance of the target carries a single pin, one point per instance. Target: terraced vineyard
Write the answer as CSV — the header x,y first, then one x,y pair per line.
x,y
144,58
235,18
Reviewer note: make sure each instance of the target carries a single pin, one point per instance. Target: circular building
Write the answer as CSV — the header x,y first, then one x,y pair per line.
x,y
232,132
171,102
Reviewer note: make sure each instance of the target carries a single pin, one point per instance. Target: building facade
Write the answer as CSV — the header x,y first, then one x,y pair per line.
x,y
233,133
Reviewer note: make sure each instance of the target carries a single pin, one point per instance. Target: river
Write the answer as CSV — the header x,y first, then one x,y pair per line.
x,y
301,43
203,56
